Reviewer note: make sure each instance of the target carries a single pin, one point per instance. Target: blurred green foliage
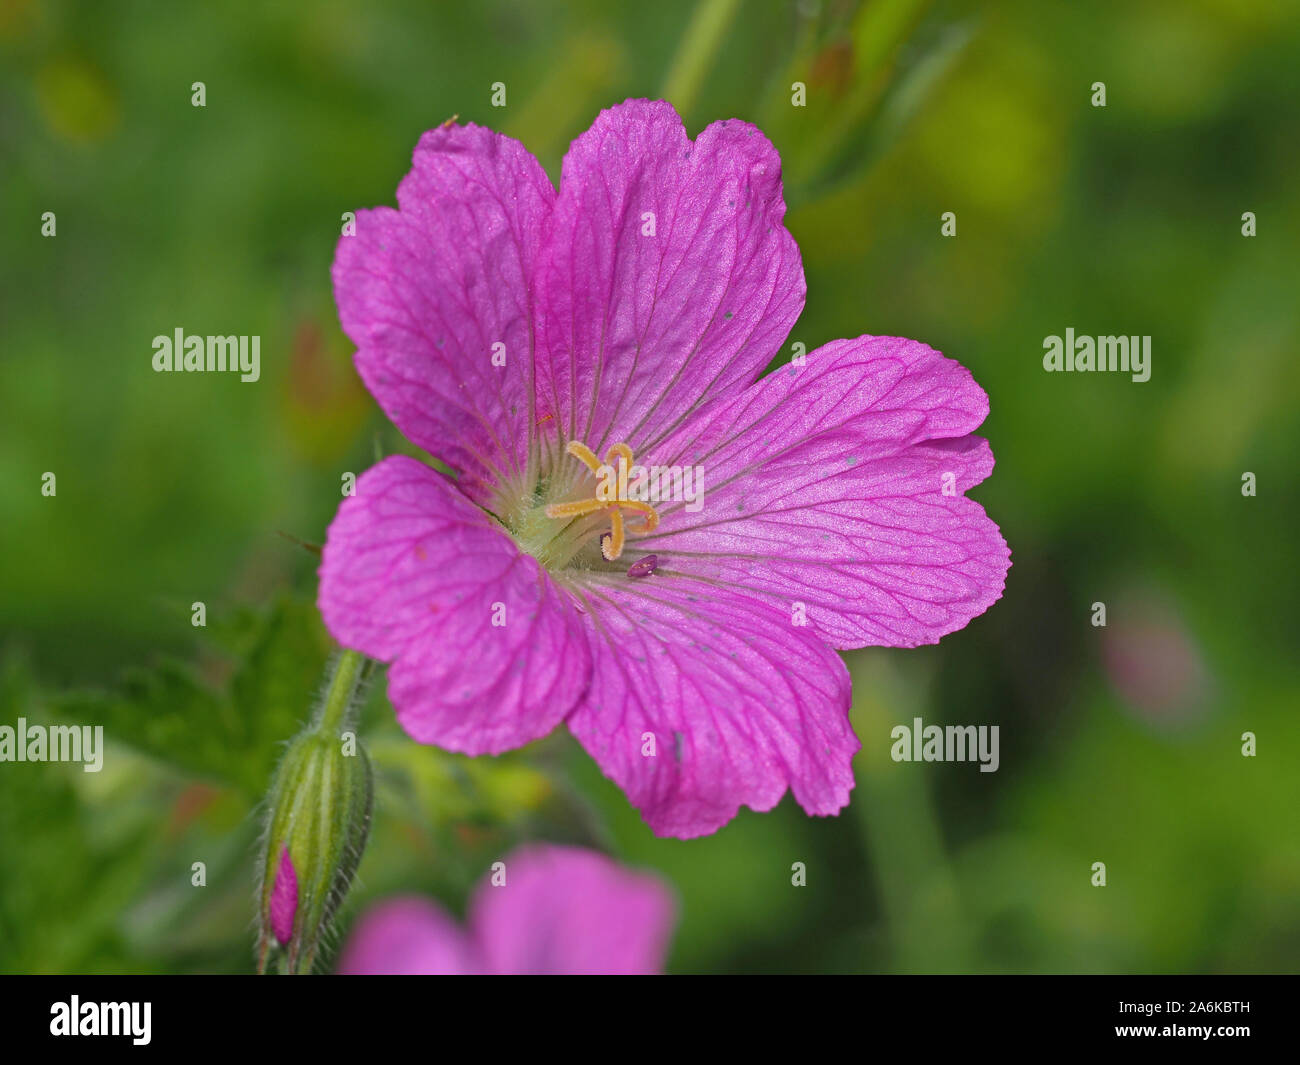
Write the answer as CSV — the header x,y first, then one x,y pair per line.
x,y
223,219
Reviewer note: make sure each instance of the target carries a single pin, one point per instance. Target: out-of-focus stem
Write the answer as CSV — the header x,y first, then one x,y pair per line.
x,y
900,828
698,46
879,30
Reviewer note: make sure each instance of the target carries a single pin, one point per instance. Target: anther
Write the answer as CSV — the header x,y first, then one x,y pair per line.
x,y
612,542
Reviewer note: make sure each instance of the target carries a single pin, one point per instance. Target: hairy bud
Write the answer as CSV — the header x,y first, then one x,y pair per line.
x,y
317,822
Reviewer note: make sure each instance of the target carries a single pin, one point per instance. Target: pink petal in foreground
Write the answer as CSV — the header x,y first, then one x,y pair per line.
x,y
427,293
639,326
839,486
703,700
487,654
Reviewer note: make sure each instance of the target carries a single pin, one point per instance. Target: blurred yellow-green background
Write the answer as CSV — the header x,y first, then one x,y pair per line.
x,y
1119,744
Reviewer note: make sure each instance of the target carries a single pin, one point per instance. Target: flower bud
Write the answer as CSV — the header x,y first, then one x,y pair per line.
x,y
318,819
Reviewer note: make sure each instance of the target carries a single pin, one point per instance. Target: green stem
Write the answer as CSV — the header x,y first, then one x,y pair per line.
x,y
900,825
349,671
698,46
879,31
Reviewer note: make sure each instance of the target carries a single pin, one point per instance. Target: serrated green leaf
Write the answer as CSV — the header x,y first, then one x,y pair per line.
x,y
233,735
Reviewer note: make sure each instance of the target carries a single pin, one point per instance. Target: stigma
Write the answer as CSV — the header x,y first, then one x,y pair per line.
x,y
610,497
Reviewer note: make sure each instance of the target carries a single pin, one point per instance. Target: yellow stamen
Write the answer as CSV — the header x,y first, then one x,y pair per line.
x,y
574,510
612,542
651,518
618,449
584,454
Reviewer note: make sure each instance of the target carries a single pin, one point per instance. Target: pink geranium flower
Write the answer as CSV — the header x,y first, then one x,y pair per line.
x,y
561,910
519,334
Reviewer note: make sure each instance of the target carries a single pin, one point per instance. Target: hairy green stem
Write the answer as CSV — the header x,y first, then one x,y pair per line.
x,y
350,670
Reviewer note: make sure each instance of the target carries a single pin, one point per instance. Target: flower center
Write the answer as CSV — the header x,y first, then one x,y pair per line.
x,y
610,498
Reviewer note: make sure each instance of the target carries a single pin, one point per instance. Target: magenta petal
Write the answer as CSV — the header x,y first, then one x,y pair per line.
x,y
414,574
407,937
838,488
739,702
640,329
568,911
426,291
284,899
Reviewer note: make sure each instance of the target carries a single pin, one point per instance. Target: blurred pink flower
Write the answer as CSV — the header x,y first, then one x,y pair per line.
x,y
562,910
1153,662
